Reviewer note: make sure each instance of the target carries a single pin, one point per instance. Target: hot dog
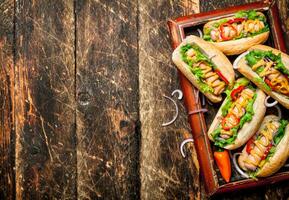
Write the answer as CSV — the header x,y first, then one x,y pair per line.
x,y
268,68
234,35
239,116
267,151
206,67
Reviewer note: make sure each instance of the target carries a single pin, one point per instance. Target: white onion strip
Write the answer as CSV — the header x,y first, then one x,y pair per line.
x,y
177,112
180,94
196,94
212,57
235,64
209,102
279,111
203,100
200,33
287,165
183,144
241,172
198,111
267,104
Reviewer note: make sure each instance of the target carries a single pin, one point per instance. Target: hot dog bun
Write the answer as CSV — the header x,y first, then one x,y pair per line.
x,y
279,157
246,70
234,47
217,57
249,128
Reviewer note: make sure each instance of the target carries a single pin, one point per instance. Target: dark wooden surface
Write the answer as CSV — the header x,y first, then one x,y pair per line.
x,y
107,93
81,106
45,100
7,133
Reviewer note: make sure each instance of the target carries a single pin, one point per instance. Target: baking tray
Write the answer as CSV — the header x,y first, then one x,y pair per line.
x,y
188,25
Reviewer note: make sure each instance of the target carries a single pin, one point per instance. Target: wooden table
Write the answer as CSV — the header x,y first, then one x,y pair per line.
x,y
81,88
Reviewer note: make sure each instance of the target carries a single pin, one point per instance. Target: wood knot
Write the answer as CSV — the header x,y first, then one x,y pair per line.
x,y
84,98
123,124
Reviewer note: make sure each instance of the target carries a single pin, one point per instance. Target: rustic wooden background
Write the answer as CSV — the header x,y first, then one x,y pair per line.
x,y
81,85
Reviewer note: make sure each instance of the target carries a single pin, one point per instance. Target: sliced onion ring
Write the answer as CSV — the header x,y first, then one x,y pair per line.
x,y
177,112
180,93
200,33
209,102
268,105
183,144
235,64
279,111
239,170
203,100
196,94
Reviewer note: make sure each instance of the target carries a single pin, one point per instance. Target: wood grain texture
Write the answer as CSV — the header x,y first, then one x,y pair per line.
x,y
107,99
283,7
164,173
45,100
81,105
206,5
7,134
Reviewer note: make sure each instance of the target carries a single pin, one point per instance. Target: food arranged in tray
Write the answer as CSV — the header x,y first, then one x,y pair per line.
x,y
230,61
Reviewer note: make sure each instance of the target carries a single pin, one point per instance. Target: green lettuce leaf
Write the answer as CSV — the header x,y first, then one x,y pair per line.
x,y
254,56
277,138
281,131
246,118
249,112
226,107
219,23
196,70
207,37
250,14
261,82
222,143
271,153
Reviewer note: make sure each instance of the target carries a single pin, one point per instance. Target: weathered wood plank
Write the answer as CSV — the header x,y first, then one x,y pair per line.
x,y
283,6
107,99
206,5
164,173
7,134
45,100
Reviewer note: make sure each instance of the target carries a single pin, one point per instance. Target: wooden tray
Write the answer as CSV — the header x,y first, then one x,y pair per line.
x,y
188,25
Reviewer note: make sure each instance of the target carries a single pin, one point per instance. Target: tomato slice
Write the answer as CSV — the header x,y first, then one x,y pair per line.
x,y
268,82
236,20
222,28
225,125
250,145
222,77
235,92
267,152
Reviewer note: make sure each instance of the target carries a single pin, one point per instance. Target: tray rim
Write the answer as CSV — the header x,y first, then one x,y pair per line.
x,y
197,121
